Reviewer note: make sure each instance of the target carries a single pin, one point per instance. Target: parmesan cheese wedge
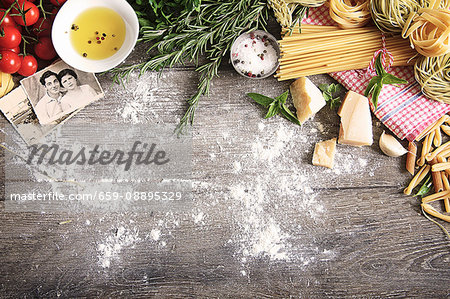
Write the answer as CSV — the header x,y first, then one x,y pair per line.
x,y
324,153
356,121
307,98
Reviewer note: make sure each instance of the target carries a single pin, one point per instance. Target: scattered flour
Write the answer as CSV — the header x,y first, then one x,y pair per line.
x,y
237,166
131,111
262,228
198,218
110,248
155,234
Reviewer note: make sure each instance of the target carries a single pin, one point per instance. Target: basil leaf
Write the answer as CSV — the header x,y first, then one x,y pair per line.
x,y
290,116
372,84
261,99
334,88
282,98
334,102
327,93
326,96
273,110
375,95
379,66
391,79
426,187
323,87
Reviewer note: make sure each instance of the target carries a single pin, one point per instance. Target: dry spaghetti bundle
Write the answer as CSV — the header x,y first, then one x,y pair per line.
x,y
391,15
433,75
336,50
429,31
349,13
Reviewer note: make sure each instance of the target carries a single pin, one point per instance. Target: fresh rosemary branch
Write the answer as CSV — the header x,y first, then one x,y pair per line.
x,y
208,32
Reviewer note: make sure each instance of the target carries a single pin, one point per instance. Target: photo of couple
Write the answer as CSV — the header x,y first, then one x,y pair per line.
x,y
59,90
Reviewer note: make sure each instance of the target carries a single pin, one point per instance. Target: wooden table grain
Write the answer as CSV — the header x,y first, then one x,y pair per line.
x,y
344,233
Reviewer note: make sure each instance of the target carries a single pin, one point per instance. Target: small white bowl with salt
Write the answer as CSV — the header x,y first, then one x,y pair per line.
x,y
255,54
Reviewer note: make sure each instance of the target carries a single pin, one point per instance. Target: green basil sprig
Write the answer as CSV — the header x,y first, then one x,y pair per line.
x,y
276,106
327,91
377,82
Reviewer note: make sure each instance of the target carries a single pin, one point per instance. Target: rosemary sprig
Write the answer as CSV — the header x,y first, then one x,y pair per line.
x,y
208,32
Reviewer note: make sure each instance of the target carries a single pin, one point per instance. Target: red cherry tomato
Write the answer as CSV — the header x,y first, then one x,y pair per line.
x,y
28,66
15,50
44,48
31,13
43,27
58,2
8,20
11,38
9,62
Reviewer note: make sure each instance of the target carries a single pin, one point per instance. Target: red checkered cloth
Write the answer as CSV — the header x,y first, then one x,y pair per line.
x,y
404,110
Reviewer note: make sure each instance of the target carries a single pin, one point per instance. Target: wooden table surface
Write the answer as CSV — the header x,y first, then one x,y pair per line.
x,y
264,222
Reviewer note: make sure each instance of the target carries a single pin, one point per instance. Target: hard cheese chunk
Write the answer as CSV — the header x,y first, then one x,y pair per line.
x,y
356,122
308,99
324,153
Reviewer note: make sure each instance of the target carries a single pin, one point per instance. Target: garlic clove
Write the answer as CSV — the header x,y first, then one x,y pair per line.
x,y
390,146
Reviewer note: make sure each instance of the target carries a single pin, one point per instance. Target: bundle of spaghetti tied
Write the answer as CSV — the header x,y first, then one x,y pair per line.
x,y
433,161
324,49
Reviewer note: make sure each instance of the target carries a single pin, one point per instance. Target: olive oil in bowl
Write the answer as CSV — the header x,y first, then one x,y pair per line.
x,y
97,33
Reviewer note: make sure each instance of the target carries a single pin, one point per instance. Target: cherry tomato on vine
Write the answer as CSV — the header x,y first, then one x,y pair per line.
x,y
11,37
28,66
44,48
58,2
8,20
29,11
43,27
15,50
9,62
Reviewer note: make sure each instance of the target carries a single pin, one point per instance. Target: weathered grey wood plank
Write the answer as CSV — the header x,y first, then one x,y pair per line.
x,y
343,233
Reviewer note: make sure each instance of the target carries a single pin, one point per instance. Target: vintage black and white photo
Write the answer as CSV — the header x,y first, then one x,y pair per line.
x,y
60,90
17,109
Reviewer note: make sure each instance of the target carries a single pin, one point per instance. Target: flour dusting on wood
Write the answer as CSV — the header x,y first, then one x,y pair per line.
x,y
110,248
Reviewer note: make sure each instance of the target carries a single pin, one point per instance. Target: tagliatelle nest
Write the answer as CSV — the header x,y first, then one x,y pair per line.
x,y
284,10
429,31
307,3
350,13
391,15
433,75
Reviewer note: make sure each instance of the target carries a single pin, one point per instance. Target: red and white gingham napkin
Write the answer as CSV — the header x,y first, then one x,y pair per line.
x,y
404,110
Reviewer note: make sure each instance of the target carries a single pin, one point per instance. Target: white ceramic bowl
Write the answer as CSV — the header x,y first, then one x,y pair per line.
x,y
64,20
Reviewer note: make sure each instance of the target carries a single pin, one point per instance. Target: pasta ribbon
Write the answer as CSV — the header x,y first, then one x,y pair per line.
x,y
433,75
350,13
391,15
429,31
307,3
